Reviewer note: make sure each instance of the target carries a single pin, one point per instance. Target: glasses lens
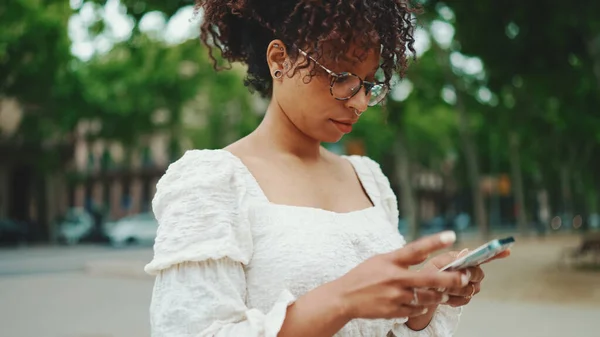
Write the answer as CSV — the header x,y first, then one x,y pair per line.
x,y
377,94
345,86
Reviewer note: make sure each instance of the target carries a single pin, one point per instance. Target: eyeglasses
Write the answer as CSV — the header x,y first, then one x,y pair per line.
x,y
344,86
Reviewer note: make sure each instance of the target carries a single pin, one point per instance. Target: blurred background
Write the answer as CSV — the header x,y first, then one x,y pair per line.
x,y
494,131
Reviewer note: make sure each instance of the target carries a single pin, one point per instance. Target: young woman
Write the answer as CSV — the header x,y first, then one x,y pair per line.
x,y
276,236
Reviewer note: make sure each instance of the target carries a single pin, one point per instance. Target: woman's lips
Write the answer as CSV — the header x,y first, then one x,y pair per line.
x,y
343,127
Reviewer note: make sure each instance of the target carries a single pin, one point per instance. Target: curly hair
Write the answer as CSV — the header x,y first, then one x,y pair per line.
x,y
243,29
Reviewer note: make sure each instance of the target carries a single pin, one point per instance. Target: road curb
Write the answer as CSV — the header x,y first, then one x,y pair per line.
x,y
129,269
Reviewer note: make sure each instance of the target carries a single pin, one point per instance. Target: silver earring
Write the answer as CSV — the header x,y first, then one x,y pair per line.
x,y
276,45
356,112
277,73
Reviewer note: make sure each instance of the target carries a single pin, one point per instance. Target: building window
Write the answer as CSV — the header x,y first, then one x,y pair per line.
x,y
105,161
91,162
146,157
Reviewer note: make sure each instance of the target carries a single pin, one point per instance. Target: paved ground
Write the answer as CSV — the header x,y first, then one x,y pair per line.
x,y
43,260
489,318
100,292
533,274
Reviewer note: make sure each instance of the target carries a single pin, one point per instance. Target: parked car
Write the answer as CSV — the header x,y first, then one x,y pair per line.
x,y
13,232
136,229
76,226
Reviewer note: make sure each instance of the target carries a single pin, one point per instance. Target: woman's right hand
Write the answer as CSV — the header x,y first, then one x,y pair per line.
x,y
383,286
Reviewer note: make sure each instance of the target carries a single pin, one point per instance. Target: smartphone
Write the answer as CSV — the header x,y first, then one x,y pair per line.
x,y
481,254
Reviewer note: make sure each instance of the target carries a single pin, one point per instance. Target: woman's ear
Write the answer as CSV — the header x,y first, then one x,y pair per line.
x,y
277,58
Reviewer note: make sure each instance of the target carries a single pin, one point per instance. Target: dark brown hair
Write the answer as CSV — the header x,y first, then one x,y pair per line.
x,y
243,29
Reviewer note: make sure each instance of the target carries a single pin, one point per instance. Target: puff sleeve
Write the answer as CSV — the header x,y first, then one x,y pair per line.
x,y
203,241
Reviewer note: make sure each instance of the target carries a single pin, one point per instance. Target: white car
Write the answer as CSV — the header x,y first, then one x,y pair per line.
x,y
76,225
135,229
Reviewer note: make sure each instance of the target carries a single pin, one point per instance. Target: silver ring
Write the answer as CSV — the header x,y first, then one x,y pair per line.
x,y
357,113
415,299
277,73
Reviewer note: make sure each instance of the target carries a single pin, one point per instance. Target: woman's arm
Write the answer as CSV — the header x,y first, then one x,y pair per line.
x,y
207,298
443,322
319,313
419,323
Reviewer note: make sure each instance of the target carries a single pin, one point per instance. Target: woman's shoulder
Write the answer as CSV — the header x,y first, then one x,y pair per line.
x,y
202,160
371,174
206,175
368,166
208,168
198,208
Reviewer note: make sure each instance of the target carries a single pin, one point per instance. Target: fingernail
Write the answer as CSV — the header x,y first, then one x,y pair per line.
x,y
464,279
468,273
424,311
445,298
448,237
441,290
463,252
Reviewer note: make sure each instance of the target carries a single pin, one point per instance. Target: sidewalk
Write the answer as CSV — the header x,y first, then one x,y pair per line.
x,y
531,274
490,318
79,305
54,259
107,294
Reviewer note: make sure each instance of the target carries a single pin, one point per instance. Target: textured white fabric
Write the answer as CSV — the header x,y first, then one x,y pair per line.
x,y
228,262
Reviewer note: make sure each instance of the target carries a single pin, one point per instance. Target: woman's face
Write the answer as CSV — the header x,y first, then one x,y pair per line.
x,y
310,106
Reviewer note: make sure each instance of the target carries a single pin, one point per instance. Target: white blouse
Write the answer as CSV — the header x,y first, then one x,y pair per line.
x,y
228,262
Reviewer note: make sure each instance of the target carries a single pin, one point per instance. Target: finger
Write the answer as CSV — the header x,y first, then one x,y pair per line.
x,y
502,255
476,274
477,288
411,311
425,297
462,253
462,290
418,251
470,290
443,260
433,280
457,292
458,301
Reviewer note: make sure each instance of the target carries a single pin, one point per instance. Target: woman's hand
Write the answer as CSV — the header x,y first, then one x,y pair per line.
x,y
460,296
384,287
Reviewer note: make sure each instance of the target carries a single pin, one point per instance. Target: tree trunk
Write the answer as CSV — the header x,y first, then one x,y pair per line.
x,y
468,144
470,150
594,51
565,188
403,175
517,177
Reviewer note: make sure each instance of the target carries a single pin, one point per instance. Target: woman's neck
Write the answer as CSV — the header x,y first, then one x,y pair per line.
x,y
276,131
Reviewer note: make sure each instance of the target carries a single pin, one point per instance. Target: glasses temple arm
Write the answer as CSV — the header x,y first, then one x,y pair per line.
x,y
317,62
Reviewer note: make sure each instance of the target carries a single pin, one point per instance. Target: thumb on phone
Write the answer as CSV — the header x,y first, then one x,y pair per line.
x,y
462,253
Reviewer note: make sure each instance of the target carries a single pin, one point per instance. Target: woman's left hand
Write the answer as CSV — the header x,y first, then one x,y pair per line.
x,y
461,296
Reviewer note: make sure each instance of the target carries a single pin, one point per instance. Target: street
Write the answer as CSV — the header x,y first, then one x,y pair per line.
x,y
43,260
100,292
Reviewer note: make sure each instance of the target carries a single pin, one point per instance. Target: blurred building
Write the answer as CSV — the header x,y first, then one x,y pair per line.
x,y
109,178
100,176
30,195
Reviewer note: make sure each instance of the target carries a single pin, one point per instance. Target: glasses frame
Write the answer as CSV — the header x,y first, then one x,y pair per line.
x,y
367,85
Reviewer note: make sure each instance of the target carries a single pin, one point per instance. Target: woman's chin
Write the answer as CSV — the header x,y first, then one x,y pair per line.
x,y
332,138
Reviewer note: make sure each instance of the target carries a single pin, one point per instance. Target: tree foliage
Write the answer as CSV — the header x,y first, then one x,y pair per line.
x,y
531,110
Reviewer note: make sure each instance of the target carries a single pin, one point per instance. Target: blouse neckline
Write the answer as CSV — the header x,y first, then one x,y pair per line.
x,y
357,170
